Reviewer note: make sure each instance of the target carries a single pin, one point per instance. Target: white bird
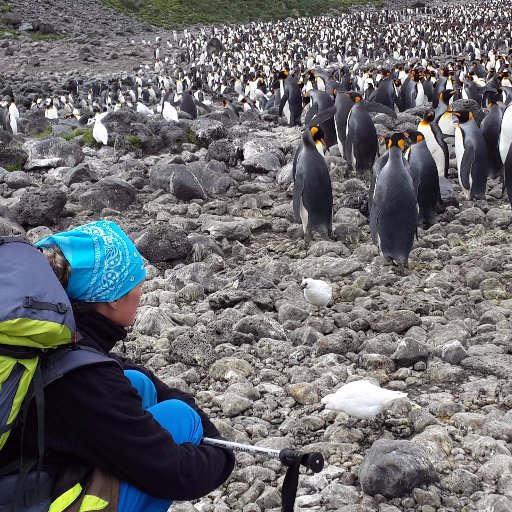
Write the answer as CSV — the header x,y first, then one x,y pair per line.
x,y
169,113
361,399
316,291
142,109
99,131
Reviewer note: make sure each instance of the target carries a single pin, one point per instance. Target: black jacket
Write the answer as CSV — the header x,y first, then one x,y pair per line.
x,y
94,417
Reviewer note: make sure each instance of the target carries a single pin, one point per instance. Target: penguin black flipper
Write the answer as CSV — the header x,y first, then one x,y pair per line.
x,y
296,159
310,114
466,167
298,188
321,117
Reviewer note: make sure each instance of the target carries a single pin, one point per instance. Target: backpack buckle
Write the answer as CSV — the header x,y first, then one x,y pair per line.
x,y
61,307
29,302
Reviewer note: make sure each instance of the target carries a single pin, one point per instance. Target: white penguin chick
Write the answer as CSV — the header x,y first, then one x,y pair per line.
x,y
361,399
316,292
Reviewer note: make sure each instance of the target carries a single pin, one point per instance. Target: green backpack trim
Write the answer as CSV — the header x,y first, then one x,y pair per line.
x,y
17,387
30,332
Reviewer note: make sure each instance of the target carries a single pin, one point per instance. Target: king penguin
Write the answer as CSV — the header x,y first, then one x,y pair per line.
x,y
292,99
471,153
188,104
436,144
361,144
491,126
394,211
312,189
428,194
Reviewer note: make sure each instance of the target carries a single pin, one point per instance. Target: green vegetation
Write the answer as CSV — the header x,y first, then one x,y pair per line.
x,y
4,7
76,133
37,36
16,166
133,140
45,133
180,13
8,32
86,134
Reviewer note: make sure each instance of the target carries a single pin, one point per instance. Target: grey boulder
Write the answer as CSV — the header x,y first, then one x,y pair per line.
x,y
394,468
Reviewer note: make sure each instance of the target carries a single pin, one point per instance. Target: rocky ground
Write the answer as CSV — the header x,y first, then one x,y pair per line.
x,y
208,203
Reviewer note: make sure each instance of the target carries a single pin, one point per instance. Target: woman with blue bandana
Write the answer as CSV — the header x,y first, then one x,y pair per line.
x,y
123,440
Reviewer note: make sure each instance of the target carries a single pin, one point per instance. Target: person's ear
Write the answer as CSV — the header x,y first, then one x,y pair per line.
x,y
112,305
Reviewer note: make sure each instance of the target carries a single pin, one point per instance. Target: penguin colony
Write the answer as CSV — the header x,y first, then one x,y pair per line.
x,y
331,83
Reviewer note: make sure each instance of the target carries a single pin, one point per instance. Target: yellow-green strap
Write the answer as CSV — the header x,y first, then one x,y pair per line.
x,y
65,499
89,503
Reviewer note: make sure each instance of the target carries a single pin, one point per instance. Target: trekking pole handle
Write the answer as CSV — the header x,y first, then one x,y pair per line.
x,y
314,461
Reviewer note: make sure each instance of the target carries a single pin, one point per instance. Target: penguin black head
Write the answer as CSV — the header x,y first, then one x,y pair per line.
x,y
396,140
445,96
463,116
354,96
414,136
429,116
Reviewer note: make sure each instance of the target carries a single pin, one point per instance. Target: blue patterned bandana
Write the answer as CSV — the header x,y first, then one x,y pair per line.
x,y
105,265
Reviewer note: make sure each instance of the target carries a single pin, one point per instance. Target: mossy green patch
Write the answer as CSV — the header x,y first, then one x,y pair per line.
x,y
180,13
134,140
16,166
37,36
86,134
45,133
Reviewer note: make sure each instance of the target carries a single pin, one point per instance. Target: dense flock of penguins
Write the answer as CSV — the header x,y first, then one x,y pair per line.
x,y
329,80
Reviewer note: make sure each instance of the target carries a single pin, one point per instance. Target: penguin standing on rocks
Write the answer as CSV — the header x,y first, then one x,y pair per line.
x,y
343,103
429,194
361,144
188,104
394,211
471,153
312,189
436,144
491,126
292,98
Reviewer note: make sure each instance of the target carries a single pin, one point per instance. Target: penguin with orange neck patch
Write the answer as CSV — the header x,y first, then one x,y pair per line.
x,y
394,211
429,194
312,189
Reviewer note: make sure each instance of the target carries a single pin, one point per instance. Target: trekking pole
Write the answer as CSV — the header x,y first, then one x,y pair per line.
x,y
293,459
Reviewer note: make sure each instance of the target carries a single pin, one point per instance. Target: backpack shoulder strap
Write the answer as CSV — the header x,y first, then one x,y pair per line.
x,y
64,360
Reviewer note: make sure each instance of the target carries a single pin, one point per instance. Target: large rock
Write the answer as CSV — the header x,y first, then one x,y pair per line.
x,y
36,123
198,273
40,207
109,192
395,468
12,158
207,130
184,185
164,243
53,152
394,321
262,156
224,150
212,177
